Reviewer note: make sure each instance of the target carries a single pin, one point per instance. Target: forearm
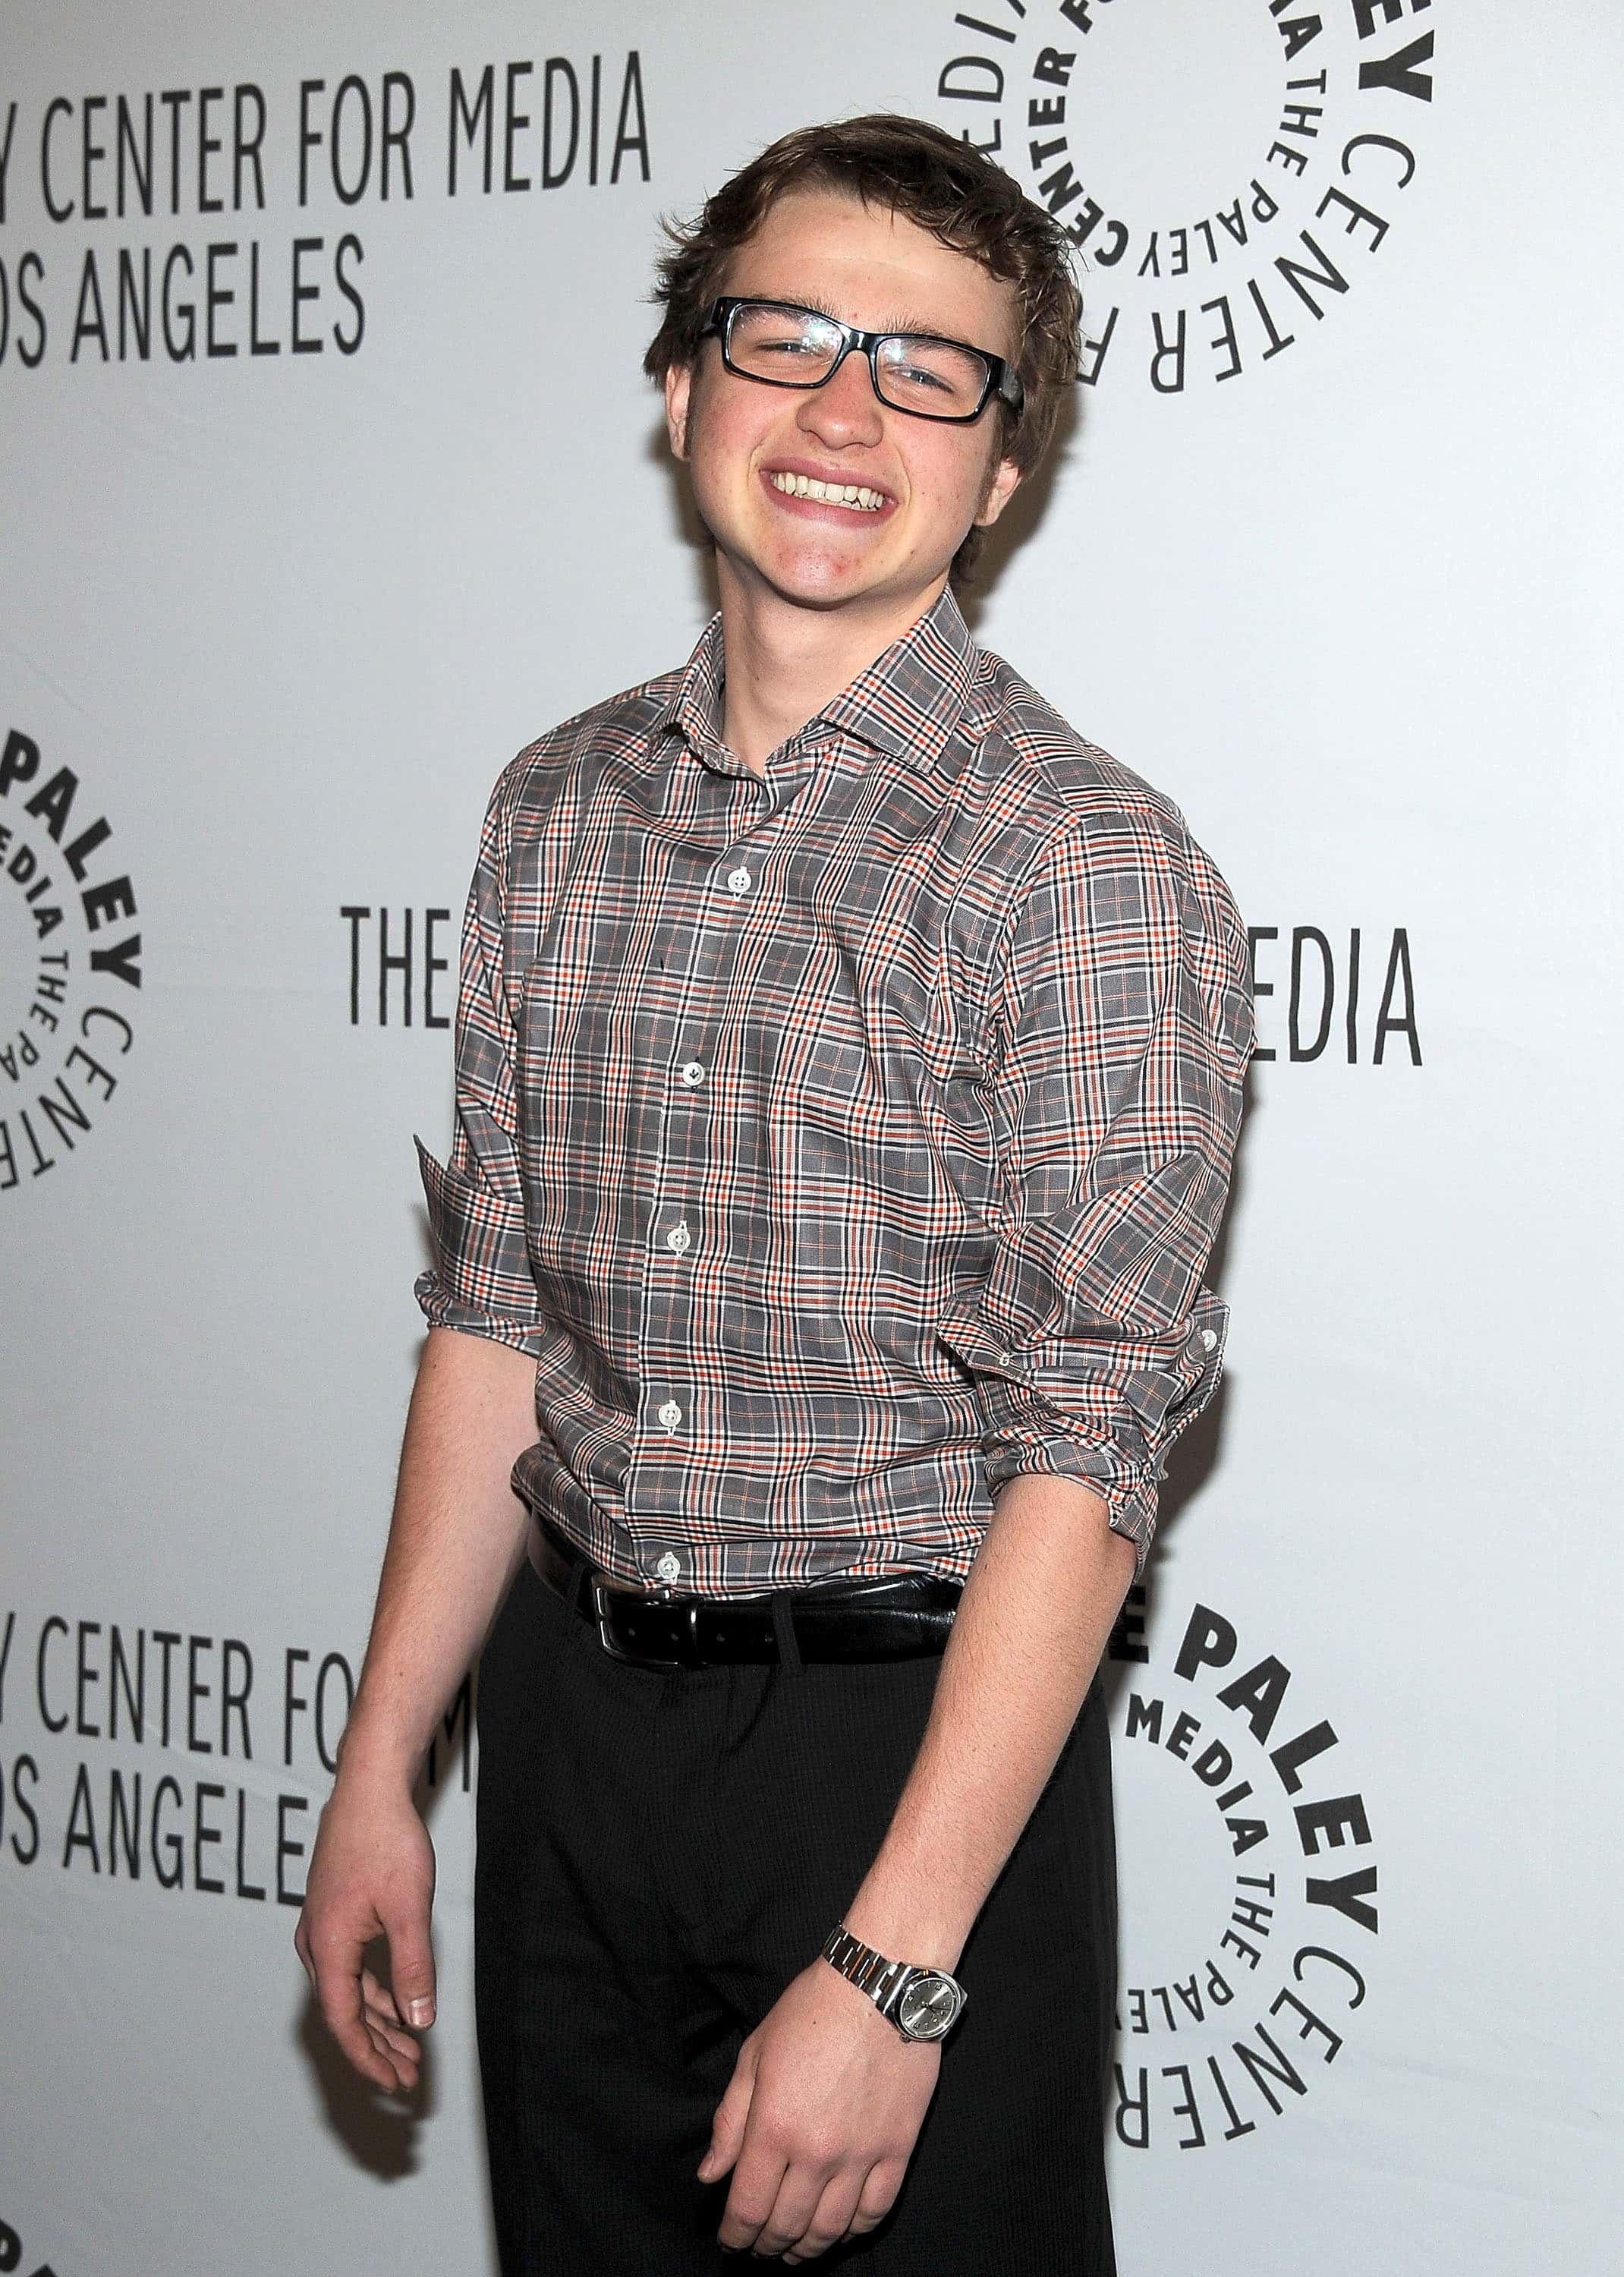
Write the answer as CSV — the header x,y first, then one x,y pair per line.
x,y
1034,1616
455,1540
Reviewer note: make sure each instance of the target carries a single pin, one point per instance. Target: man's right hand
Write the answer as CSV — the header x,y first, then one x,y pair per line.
x,y
455,1543
371,1875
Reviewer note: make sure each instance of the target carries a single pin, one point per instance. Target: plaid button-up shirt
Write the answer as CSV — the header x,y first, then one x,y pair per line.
x,y
842,1144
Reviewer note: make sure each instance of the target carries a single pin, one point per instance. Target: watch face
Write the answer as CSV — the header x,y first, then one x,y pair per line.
x,y
928,2006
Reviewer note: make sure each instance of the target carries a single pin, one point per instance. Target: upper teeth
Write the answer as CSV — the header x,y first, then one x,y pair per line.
x,y
831,493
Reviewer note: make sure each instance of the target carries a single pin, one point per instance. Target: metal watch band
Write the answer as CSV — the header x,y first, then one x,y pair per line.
x,y
886,1981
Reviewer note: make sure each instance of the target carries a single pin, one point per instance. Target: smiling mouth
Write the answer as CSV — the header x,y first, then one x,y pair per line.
x,y
856,496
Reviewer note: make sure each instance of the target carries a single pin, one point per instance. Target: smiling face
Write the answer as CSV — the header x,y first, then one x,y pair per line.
x,y
825,498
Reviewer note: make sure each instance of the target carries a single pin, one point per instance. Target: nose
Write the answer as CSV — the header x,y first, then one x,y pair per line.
x,y
845,410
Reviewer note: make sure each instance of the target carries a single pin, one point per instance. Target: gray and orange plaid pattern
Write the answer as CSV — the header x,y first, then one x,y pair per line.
x,y
840,1145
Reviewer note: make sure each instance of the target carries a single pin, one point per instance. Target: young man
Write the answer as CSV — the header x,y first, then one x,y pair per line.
x,y
849,1061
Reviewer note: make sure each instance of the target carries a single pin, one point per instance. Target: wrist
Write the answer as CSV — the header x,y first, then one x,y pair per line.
x,y
920,2003
926,1937
376,1758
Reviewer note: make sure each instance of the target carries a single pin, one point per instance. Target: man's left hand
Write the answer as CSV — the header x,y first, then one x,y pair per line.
x,y
819,2120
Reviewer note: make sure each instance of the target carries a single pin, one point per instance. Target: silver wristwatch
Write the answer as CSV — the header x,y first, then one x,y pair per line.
x,y
924,2004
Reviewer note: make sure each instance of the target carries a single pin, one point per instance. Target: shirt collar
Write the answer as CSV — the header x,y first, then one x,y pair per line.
x,y
696,705
907,703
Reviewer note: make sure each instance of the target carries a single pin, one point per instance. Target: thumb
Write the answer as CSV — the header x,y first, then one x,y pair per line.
x,y
727,2127
411,1968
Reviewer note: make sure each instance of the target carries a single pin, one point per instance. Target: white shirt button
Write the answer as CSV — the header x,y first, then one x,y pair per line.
x,y
669,1413
669,1566
739,881
692,1073
678,1237
1209,1340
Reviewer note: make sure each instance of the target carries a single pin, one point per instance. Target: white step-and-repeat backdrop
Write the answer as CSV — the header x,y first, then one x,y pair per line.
x,y
328,480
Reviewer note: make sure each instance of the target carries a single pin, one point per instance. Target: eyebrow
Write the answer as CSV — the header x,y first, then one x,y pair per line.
x,y
893,323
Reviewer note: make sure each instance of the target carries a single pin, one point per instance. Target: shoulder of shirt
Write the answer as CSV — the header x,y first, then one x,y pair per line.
x,y
1061,795
1060,799
1025,747
533,774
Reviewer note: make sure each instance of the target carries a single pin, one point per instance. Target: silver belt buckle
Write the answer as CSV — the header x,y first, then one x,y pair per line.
x,y
603,1586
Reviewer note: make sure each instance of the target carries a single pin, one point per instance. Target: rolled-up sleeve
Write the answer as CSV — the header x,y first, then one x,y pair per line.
x,y
481,1281
1122,1033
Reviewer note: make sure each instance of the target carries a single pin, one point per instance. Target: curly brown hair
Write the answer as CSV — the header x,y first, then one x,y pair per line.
x,y
909,167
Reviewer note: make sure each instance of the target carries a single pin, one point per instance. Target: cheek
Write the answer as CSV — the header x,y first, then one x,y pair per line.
x,y
955,479
724,436
712,412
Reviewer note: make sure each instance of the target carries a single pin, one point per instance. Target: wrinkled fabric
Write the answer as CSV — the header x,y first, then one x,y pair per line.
x,y
840,1145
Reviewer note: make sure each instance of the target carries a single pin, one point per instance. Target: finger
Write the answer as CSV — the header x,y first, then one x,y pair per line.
x,y
830,2223
404,2068
752,2198
792,2209
411,1966
383,2019
337,1989
377,1995
389,2037
393,2044
878,2194
727,2127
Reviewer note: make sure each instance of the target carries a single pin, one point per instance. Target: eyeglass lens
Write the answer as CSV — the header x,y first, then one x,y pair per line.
x,y
799,348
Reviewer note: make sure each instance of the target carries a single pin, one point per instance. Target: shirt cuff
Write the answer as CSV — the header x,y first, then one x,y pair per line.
x,y
1109,1421
1130,1501
481,1281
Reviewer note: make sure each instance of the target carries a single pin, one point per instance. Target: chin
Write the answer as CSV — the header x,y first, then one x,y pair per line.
x,y
816,577
829,592
812,576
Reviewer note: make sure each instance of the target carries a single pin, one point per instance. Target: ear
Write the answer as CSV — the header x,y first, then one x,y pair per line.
x,y
1001,486
679,381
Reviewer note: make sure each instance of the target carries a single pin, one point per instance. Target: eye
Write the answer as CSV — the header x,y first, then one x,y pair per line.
x,y
781,333
917,376
933,374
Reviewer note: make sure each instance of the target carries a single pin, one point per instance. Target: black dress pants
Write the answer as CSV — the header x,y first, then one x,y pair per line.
x,y
658,1856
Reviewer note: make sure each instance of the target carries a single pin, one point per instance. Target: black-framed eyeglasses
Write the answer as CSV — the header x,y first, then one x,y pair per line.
x,y
786,346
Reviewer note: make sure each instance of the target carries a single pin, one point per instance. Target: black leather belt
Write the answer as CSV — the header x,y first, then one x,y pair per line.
x,y
905,1619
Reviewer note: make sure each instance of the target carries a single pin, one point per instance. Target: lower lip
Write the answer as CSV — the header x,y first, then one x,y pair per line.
x,y
820,510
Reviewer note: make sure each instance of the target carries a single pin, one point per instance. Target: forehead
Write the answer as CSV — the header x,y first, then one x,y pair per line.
x,y
875,268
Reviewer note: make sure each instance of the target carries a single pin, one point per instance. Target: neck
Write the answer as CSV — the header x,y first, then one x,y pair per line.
x,y
784,662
